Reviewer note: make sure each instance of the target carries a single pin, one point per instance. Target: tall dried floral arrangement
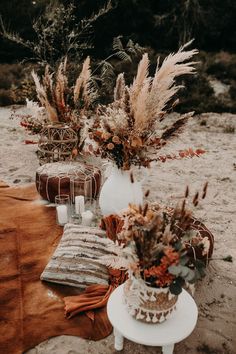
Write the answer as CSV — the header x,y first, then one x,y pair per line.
x,y
62,103
129,131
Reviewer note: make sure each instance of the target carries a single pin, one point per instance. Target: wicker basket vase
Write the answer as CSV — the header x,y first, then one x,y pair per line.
x,y
56,143
147,304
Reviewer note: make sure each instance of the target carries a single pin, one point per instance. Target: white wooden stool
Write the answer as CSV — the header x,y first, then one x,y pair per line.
x,y
164,334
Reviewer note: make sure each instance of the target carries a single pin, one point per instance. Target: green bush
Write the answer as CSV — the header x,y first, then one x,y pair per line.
x,y
16,84
6,98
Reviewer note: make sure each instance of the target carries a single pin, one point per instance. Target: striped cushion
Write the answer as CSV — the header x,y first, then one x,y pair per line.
x,y
74,261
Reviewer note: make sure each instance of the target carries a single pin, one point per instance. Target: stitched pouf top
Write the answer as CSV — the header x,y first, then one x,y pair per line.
x,y
54,179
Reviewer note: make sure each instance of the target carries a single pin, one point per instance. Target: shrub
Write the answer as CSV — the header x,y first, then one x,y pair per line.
x,y
16,84
6,98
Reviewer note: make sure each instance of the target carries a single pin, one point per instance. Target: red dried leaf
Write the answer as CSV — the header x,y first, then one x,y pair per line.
x,y
27,142
200,151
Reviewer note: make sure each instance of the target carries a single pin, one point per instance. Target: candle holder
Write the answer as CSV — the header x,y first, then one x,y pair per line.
x,y
84,204
77,198
63,209
87,218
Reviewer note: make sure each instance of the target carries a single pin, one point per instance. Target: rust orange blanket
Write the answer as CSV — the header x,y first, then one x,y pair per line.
x,y
32,311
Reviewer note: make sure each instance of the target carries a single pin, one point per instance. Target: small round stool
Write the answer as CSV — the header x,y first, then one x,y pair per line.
x,y
164,334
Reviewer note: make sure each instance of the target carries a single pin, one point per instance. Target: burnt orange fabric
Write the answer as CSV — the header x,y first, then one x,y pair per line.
x,y
94,297
32,311
112,224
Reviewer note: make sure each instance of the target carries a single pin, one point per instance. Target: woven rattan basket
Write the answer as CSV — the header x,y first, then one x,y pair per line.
x,y
56,143
153,305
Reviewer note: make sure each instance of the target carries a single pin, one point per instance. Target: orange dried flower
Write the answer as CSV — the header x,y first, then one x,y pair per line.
x,y
171,255
136,141
116,139
106,135
110,146
74,152
163,277
165,280
160,272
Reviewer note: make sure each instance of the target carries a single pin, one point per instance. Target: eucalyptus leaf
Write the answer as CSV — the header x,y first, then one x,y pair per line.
x,y
178,246
184,260
190,276
201,271
184,271
175,270
198,275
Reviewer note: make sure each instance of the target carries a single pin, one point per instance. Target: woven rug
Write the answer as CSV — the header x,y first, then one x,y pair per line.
x,y
32,311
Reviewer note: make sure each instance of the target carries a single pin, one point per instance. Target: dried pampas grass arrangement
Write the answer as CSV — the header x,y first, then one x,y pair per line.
x,y
129,131
63,103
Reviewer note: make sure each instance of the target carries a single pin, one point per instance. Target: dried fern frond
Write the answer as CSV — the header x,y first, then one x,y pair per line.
x,y
121,258
114,262
121,52
117,44
104,10
107,74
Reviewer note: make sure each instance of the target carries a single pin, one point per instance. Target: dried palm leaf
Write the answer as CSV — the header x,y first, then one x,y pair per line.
x,y
119,90
176,128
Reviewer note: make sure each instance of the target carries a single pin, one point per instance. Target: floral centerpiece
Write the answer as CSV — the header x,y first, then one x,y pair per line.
x,y
64,103
132,129
61,111
158,246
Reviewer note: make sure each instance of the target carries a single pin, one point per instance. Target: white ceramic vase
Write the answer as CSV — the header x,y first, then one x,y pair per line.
x,y
118,191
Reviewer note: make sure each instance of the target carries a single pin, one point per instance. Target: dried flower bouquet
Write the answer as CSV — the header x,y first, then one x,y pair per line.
x,y
129,131
159,247
58,102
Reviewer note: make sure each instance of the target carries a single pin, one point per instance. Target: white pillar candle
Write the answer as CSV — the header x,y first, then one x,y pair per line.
x,y
87,217
79,204
62,214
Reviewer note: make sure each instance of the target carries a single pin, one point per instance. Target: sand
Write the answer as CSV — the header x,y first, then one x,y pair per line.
x,y
215,295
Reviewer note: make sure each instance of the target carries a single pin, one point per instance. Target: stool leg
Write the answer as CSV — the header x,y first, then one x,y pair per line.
x,y
168,349
119,340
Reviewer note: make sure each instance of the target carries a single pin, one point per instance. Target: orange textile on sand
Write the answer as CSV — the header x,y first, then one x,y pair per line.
x,y
94,297
32,311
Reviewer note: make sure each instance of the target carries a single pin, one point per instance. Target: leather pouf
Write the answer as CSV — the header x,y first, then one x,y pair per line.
x,y
54,179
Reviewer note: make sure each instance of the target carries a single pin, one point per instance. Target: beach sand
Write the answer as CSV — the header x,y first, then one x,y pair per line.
x,y
215,295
